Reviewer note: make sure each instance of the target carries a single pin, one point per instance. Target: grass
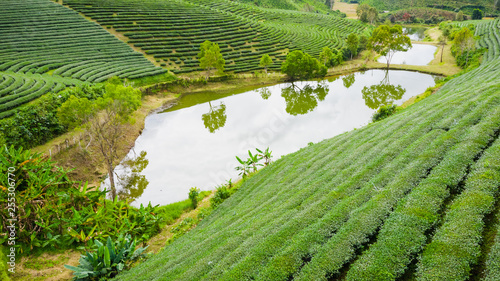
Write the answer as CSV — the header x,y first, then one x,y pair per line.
x,y
322,212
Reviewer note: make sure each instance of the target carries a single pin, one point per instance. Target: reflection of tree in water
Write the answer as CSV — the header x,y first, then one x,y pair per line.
x,y
215,118
348,80
265,93
382,94
302,101
131,181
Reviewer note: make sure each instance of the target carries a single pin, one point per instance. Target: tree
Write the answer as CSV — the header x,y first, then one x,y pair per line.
x,y
352,44
329,4
460,16
442,43
367,13
193,196
302,101
105,120
477,14
265,61
299,65
463,44
210,57
382,94
387,40
325,56
497,5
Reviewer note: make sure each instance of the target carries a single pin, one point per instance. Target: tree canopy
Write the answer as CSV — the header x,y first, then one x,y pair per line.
x,y
210,57
366,13
300,65
352,44
477,14
265,61
387,40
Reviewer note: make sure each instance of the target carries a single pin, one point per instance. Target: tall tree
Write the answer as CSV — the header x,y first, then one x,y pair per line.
x,y
352,44
387,40
477,14
210,57
265,61
325,56
366,13
463,43
105,120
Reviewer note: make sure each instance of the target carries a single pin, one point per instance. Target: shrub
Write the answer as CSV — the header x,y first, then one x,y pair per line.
x,y
477,14
62,213
106,261
300,65
384,112
193,196
221,194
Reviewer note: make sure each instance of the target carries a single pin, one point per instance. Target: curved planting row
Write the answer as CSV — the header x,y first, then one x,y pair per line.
x,y
172,31
400,199
489,32
17,89
38,36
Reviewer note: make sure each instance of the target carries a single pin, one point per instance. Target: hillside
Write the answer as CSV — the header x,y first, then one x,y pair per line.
x,y
451,5
407,197
171,31
39,36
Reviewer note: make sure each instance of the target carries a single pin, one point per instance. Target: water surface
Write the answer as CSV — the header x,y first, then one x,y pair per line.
x,y
419,54
195,143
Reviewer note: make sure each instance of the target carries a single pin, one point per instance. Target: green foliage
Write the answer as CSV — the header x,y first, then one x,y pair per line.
x,y
263,154
221,194
366,13
3,265
464,47
106,261
54,212
75,111
384,112
37,122
265,61
460,16
169,213
299,65
193,196
352,44
477,14
331,57
387,40
210,57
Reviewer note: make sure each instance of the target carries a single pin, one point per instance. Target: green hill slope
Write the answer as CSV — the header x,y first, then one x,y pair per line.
x,y
406,196
172,31
39,36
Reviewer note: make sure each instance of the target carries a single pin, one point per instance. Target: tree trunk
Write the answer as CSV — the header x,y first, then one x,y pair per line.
x,y
111,180
442,51
265,69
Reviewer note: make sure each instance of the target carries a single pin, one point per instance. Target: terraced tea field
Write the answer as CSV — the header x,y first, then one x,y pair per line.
x,y
42,37
407,198
172,31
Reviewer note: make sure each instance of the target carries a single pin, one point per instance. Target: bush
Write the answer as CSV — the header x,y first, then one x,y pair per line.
x,y
107,261
477,14
221,194
3,265
384,112
193,196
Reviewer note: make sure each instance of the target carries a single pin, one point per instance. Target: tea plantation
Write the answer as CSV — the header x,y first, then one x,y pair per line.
x,y
44,38
172,31
412,197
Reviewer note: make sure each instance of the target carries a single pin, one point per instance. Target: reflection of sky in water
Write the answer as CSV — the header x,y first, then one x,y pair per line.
x,y
420,54
182,153
415,34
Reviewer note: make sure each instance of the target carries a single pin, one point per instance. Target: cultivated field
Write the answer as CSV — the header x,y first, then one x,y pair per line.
x,y
172,31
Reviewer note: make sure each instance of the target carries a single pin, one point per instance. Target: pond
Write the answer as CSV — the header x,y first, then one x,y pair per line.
x,y
415,33
419,54
194,143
